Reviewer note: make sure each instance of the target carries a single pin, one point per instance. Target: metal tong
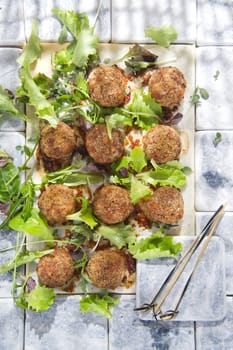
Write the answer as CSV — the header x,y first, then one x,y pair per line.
x,y
173,276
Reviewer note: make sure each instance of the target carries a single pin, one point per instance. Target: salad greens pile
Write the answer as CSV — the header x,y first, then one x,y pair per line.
x,y
63,97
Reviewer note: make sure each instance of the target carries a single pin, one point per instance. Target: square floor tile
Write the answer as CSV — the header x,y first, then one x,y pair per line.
x,y
11,23
49,26
214,22
127,331
9,79
131,17
216,335
11,325
63,326
225,231
215,73
213,171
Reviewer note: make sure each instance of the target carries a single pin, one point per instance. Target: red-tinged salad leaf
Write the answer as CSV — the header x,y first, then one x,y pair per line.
x,y
138,58
119,235
85,214
22,259
99,304
163,36
157,245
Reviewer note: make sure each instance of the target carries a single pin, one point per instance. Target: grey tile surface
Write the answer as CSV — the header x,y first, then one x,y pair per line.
x,y
11,325
127,331
131,17
214,22
216,335
64,327
49,26
213,171
9,79
224,230
11,23
214,72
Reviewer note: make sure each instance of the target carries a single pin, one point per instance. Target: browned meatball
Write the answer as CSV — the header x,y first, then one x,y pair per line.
x,y
57,145
162,143
56,202
107,268
107,86
56,268
101,148
166,205
112,204
167,86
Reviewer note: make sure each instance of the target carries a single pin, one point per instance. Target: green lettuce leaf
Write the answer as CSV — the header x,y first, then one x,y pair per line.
x,y
7,105
163,36
85,214
98,304
70,176
35,225
85,42
144,109
137,159
164,175
158,245
30,54
138,190
39,299
9,182
119,235
22,259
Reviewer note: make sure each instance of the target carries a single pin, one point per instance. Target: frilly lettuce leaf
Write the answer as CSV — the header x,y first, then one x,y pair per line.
x,y
138,190
137,159
30,54
163,175
7,105
100,304
144,109
85,42
158,245
35,225
39,299
119,235
85,214
163,36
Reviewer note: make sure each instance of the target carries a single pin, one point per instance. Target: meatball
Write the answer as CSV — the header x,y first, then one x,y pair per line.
x,y
107,268
107,86
167,86
57,145
101,148
112,204
56,202
56,268
166,205
162,143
